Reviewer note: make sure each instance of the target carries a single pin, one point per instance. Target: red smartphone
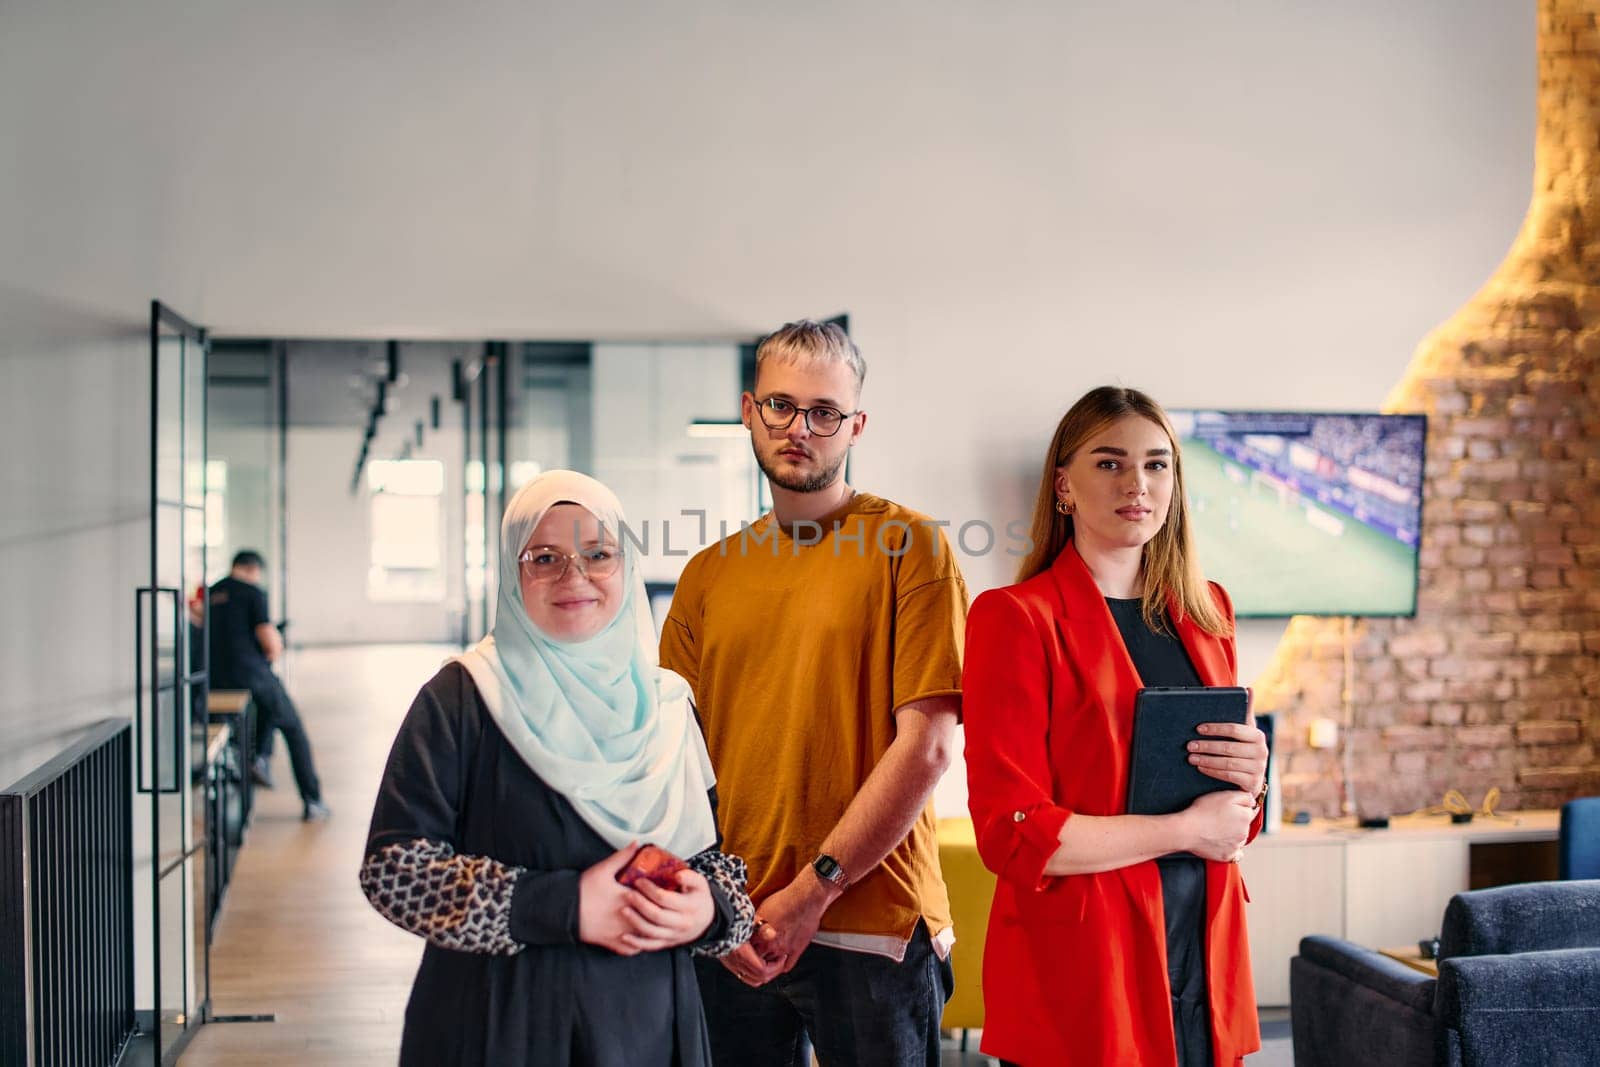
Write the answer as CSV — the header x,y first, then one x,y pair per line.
x,y
653,864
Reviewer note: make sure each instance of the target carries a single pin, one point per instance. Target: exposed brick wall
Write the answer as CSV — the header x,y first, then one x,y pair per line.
x,y
1496,682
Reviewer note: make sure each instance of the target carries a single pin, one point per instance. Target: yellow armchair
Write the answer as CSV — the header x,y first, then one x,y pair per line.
x,y
971,887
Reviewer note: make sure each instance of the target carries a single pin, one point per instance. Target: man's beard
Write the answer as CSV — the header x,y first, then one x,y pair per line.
x,y
795,484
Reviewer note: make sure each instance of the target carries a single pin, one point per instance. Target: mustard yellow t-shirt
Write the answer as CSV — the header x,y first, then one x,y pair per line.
x,y
799,649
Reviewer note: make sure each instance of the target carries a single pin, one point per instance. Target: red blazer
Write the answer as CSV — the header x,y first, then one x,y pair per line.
x,y
1075,968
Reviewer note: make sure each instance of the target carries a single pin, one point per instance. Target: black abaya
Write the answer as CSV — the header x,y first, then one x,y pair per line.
x,y
517,987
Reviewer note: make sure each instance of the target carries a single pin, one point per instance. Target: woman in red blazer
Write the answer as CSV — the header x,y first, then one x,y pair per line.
x,y
1087,911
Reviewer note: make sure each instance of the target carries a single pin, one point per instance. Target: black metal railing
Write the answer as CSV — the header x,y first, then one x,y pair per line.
x,y
66,905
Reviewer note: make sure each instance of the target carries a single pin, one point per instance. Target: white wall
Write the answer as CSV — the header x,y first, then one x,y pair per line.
x,y
330,548
74,514
1247,204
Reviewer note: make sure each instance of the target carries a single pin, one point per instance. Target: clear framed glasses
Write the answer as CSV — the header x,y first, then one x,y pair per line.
x,y
777,414
547,563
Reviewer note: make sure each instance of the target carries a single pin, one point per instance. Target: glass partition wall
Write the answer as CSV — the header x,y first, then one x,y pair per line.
x,y
362,553
245,445
658,422
172,980
400,456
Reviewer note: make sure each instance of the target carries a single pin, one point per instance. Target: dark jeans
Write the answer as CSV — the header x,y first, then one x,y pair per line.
x,y
1183,897
854,1008
275,711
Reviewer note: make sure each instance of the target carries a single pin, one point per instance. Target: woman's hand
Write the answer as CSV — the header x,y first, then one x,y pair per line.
x,y
1233,752
661,918
603,904
1218,823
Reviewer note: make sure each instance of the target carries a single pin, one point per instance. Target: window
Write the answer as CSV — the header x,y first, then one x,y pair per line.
x,y
407,511
213,526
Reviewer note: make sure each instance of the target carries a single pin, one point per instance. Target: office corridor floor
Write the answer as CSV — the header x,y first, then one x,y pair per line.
x,y
296,939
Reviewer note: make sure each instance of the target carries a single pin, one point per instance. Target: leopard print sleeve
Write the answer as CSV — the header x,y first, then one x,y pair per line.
x,y
456,902
727,876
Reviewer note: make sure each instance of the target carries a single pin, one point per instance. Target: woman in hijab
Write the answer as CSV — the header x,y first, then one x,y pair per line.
x,y
523,780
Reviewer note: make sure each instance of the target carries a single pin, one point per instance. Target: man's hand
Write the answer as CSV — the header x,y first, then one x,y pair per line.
x,y
746,964
788,919
270,640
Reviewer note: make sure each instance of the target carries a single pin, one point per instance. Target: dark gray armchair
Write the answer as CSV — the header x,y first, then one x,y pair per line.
x,y
1519,984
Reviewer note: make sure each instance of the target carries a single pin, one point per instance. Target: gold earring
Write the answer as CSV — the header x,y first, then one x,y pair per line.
x,y
1065,506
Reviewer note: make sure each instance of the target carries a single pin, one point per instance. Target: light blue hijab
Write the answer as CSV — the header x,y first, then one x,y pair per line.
x,y
598,720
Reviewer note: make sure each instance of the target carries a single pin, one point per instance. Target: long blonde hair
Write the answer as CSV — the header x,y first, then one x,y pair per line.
x,y
1172,576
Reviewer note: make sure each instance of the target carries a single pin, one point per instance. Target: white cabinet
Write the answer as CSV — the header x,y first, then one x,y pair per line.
x,y
1395,890
1293,892
1374,887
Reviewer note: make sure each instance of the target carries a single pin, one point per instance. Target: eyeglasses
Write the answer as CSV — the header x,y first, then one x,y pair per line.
x,y
777,414
546,563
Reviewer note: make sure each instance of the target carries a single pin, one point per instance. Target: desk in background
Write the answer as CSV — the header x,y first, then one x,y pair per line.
x,y
236,709
1412,957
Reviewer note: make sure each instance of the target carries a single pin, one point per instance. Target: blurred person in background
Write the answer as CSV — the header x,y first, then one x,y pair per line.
x,y
244,646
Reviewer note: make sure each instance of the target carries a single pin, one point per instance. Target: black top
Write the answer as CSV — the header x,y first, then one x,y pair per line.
x,y
237,608
453,778
1161,660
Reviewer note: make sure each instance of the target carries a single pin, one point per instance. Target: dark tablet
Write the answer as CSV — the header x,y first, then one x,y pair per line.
x,y
1161,780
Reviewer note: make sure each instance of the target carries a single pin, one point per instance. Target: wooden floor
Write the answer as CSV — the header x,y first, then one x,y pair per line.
x,y
296,938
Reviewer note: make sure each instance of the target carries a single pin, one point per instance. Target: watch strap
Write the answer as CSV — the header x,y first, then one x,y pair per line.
x,y
830,870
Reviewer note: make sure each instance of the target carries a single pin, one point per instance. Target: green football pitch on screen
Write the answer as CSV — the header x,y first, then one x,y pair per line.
x,y
1278,553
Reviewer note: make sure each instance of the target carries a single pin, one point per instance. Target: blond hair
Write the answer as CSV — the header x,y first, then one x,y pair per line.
x,y
1172,576
806,340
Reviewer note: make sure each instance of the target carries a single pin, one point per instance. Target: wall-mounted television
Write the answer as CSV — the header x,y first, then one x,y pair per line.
x,y
1305,513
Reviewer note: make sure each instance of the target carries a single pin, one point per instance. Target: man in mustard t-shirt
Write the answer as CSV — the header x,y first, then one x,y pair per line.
x,y
823,644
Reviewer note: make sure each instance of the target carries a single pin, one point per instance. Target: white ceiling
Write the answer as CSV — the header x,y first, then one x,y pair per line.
x,y
706,169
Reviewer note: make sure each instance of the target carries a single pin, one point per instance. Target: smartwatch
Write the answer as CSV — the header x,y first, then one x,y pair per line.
x,y
829,871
